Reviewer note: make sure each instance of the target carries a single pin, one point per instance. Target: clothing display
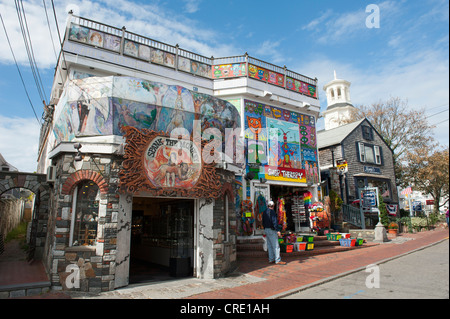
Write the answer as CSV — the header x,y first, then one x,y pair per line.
x,y
247,217
260,208
307,197
282,214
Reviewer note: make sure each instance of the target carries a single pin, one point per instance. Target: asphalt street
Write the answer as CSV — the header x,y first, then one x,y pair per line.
x,y
422,274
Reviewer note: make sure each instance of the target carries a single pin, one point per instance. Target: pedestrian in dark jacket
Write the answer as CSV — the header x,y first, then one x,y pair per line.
x,y
272,232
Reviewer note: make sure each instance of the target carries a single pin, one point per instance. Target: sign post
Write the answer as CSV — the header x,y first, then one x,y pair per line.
x,y
368,200
342,166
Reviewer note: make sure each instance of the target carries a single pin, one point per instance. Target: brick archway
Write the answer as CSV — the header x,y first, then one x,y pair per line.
x,y
82,175
37,183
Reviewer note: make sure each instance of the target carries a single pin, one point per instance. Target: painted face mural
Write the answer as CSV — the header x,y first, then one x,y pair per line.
x,y
256,152
254,124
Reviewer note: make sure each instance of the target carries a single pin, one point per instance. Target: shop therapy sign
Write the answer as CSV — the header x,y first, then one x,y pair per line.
x,y
164,166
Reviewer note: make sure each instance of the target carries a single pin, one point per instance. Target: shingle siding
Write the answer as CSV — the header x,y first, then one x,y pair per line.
x,y
349,151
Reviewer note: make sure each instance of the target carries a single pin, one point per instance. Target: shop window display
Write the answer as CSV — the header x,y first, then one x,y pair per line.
x,y
86,214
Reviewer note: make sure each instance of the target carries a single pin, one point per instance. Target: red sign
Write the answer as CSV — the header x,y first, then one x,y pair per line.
x,y
430,201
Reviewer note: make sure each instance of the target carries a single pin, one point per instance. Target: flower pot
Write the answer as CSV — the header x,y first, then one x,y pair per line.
x,y
393,231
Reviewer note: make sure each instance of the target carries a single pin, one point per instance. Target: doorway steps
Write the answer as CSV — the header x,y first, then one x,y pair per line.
x,y
253,248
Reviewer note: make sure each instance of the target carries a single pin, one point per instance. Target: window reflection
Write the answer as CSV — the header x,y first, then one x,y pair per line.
x,y
86,214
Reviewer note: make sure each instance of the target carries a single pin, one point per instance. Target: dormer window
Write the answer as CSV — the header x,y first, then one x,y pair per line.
x,y
367,132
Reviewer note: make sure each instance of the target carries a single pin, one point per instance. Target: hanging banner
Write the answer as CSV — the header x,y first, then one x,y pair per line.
x,y
392,209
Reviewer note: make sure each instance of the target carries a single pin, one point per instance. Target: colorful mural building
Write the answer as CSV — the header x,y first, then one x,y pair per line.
x,y
161,159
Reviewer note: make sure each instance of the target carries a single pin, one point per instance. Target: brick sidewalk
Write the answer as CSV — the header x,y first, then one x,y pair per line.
x,y
300,271
303,271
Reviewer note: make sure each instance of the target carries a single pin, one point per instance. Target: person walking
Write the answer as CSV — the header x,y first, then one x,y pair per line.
x,y
272,231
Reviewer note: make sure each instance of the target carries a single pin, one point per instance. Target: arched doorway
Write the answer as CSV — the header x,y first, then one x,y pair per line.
x,y
17,274
37,184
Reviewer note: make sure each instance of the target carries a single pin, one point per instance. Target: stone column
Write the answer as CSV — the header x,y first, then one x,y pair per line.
x,y
205,239
123,241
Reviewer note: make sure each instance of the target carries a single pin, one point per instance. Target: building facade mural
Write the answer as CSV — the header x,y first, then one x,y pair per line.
x,y
104,106
280,144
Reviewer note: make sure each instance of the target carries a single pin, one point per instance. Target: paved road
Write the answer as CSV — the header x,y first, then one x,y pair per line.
x,y
422,274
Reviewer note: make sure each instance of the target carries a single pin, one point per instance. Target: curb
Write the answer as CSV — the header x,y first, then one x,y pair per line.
x,y
334,277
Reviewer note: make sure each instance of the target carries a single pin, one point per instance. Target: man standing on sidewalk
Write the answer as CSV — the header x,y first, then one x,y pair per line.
x,y
272,231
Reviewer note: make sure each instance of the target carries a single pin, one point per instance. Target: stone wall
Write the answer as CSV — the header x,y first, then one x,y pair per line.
x,y
11,214
96,264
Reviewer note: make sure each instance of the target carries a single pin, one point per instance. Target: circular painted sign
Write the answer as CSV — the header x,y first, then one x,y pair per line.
x,y
172,163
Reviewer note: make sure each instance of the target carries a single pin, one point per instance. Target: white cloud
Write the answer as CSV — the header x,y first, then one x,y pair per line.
x,y
421,78
317,22
192,6
145,19
19,142
333,27
270,51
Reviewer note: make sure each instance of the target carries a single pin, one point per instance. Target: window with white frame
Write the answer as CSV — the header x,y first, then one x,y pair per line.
x,y
369,153
85,208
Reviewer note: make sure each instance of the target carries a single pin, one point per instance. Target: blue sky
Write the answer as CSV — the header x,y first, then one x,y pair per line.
x,y
406,57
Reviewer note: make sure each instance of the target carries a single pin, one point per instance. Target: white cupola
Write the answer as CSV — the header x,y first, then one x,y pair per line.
x,y
339,106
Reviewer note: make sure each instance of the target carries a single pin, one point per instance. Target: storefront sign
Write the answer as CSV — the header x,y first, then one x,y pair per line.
x,y
369,199
285,174
342,166
417,206
162,166
372,170
172,163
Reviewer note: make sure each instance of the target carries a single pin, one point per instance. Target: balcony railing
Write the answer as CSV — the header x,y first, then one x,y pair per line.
x,y
133,45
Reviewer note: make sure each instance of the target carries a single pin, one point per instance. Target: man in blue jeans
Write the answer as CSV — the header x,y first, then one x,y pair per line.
x,y
272,231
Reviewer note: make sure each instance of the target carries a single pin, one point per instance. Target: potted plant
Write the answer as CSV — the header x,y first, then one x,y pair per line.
x,y
393,228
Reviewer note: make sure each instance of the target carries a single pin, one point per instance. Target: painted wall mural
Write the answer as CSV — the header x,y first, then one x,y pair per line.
x,y
280,144
154,54
228,70
262,74
301,87
105,105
